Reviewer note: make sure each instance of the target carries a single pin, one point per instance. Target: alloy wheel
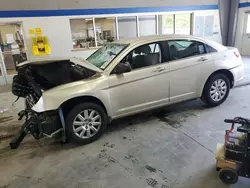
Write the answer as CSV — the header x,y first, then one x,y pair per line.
x,y
87,123
218,90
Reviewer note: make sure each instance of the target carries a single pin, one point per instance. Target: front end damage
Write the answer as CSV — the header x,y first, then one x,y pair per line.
x,y
30,83
39,125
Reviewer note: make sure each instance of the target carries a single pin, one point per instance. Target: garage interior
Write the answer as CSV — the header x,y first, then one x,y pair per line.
x,y
171,147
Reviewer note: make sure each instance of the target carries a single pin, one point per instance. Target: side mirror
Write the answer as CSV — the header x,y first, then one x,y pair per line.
x,y
122,68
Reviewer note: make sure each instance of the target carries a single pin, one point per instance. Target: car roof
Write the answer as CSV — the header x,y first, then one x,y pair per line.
x,y
146,39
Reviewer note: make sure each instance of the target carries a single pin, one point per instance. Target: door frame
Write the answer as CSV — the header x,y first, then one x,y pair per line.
x,y
5,78
244,29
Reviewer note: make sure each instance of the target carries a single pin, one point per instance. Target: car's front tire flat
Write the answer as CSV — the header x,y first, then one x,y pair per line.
x,y
216,90
85,123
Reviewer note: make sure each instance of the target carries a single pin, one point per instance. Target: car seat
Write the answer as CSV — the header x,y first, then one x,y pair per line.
x,y
139,60
190,50
152,59
174,52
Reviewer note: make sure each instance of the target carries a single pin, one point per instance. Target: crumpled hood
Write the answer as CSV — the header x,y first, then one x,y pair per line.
x,y
78,61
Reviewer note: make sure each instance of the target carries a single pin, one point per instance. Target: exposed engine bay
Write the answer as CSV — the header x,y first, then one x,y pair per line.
x,y
30,82
33,79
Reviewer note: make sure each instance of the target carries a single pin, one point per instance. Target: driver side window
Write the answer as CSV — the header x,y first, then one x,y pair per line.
x,y
143,56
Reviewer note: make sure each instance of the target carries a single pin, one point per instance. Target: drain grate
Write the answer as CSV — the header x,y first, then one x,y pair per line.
x,y
151,182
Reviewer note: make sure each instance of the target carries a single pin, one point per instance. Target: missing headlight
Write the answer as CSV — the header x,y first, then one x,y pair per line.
x,y
30,101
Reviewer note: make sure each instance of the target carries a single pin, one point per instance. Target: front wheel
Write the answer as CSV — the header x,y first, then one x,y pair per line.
x,y
85,123
216,90
228,176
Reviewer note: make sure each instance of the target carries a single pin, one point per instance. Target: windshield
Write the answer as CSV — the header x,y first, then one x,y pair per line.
x,y
103,56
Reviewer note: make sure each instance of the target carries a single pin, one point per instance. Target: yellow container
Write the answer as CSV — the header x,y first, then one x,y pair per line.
x,y
40,46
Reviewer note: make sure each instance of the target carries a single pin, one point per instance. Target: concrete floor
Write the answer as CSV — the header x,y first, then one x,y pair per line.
x,y
171,147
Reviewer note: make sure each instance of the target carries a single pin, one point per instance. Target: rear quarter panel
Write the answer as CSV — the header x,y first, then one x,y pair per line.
x,y
226,59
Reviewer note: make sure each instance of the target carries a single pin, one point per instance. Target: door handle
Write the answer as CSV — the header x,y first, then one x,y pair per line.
x,y
203,59
159,69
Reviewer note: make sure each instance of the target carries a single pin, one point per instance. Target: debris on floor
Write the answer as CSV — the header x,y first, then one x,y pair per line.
x,y
2,110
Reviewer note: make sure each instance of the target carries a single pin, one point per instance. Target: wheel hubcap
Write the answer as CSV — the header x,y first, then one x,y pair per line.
x,y
87,123
228,177
218,90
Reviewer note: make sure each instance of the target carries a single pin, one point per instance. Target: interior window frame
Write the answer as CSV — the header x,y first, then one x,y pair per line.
x,y
132,50
203,46
207,48
196,41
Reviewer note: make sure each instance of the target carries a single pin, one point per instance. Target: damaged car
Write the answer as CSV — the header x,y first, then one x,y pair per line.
x,y
78,98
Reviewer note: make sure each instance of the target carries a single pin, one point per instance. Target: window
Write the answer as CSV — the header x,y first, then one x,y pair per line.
x,y
175,24
199,26
210,49
127,27
205,26
201,48
143,56
184,48
103,56
147,25
12,47
105,30
209,23
167,22
182,23
82,31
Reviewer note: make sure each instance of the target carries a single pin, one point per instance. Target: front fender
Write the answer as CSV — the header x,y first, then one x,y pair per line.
x,y
54,98
52,101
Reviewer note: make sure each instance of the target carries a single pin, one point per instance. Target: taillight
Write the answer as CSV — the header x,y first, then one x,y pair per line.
x,y
236,54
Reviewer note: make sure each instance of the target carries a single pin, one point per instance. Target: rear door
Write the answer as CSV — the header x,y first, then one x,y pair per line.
x,y
190,65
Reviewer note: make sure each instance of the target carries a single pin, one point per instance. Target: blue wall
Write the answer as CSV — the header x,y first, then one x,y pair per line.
x,y
69,12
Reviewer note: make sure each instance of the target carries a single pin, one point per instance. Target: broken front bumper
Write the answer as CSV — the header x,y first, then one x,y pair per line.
x,y
39,125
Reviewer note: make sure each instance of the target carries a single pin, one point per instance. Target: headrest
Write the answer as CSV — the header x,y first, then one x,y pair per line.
x,y
173,47
143,49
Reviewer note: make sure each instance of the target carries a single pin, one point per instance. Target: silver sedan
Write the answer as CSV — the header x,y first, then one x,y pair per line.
x,y
126,77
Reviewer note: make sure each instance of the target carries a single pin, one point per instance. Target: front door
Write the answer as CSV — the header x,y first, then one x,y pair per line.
x,y
246,36
12,50
146,86
190,66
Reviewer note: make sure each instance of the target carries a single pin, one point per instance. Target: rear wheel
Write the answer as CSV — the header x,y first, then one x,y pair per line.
x,y
228,176
216,90
85,123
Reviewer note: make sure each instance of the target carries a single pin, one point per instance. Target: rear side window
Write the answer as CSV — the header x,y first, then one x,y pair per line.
x,y
179,49
210,49
201,48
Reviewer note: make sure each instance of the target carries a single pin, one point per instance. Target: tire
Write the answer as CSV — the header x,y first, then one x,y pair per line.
x,y
216,90
228,176
80,125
